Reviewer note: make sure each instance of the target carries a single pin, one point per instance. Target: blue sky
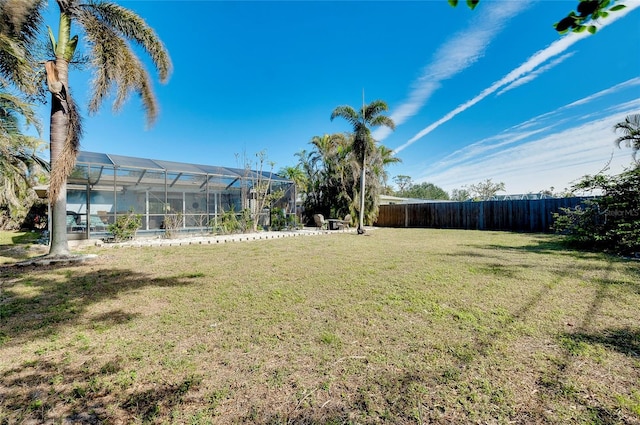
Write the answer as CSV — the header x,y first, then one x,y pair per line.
x,y
493,93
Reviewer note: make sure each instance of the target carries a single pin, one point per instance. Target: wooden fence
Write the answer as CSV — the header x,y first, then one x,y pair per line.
x,y
512,215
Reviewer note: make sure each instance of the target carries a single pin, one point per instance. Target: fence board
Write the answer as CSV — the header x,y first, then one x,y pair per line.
x,y
512,215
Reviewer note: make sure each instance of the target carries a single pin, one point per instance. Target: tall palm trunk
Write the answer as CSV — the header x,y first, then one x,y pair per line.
x,y
362,189
108,28
61,150
59,128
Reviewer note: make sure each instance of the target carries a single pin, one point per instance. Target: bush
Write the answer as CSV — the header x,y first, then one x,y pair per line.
x,y
610,222
229,222
278,219
125,226
172,225
293,222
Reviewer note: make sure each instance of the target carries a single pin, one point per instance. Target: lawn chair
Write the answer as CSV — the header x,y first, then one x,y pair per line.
x,y
346,223
319,220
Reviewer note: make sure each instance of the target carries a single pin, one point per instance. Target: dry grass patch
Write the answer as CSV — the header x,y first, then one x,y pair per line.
x,y
399,326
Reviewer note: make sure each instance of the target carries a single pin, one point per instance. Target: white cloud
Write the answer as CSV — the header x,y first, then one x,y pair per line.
x,y
537,126
540,161
537,59
457,54
554,116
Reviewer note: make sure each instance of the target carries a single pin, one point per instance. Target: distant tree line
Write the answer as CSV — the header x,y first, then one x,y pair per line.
x,y
481,191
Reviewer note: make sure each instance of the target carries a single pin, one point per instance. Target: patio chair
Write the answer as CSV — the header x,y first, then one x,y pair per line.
x,y
346,223
319,220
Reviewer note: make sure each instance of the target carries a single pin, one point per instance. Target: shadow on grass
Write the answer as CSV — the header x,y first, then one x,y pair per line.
x,y
552,387
17,245
553,245
36,301
20,252
95,399
26,238
543,244
623,340
39,302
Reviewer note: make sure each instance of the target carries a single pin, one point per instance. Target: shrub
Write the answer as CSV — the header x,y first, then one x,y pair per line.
x,y
125,226
172,224
293,222
610,222
229,222
246,220
278,219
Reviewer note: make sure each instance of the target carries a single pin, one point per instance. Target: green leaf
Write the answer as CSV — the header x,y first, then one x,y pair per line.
x,y
71,48
617,7
52,38
565,24
453,3
579,28
472,3
592,29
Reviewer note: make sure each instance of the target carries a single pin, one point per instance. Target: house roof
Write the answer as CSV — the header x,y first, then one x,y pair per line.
x,y
121,161
137,173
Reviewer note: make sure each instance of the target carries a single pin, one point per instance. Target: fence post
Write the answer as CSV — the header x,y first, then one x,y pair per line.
x,y
406,215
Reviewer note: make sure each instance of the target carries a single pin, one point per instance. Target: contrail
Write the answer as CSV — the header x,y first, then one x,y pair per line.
x,y
538,58
535,126
533,75
458,53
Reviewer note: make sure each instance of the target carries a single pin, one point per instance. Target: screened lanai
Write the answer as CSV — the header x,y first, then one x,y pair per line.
x,y
104,186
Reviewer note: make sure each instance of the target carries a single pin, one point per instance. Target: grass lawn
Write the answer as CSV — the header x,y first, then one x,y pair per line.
x,y
398,326
15,246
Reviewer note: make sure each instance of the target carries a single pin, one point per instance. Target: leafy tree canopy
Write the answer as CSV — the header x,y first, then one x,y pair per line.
x,y
460,195
610,222
485,190
402,182
424,190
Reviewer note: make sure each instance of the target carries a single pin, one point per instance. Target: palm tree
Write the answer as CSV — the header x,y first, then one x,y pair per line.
x,y
384,156
295,174
331,191
630,128
363,144
107,29
18,162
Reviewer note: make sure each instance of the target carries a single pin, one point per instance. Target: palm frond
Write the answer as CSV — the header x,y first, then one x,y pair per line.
x,y
374,108
19,167
387,156
382,120
132,27
630,129
21,18
116,67
20,21
346,112
12,106
31,160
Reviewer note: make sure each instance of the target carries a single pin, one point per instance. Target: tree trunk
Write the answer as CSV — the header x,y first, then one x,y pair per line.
x,y
59,126
362,188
